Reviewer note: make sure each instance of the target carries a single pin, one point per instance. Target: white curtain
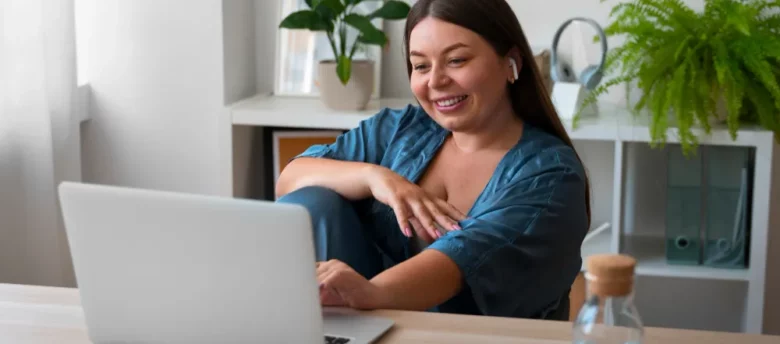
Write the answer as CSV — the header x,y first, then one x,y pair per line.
x,y
38,138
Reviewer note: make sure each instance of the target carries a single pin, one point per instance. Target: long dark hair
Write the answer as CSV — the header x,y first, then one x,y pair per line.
x,y
495,21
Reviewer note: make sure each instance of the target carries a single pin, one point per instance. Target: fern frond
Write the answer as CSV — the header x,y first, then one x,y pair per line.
x,y
767,45
659,112
682,109
770,22
720,58
761,6
706,86
698,94
650,14
734,94
764,106
760,68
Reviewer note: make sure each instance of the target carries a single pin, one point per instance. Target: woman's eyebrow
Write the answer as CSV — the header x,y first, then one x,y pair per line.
x,y
446,50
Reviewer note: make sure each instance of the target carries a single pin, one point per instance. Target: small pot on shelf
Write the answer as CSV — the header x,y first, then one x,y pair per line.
x,y
355,95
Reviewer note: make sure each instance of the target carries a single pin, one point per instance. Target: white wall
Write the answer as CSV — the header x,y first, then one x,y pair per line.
x,y
156,72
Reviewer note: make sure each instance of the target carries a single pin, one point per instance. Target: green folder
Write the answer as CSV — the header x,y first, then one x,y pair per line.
x,y
728,186
683,207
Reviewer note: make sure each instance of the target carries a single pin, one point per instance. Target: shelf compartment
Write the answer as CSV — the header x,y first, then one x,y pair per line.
x,y
685,303
649,252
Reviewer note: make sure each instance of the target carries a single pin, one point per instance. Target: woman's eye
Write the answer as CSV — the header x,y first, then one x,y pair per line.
x,y
419,67
457,61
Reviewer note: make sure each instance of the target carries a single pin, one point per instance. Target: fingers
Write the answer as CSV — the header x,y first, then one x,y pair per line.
x,y
425,218
402,216
329,297
450,210
442,217
420,230
324,269
340,285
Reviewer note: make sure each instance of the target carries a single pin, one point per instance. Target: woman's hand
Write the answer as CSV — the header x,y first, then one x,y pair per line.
x,y
413,205
342,286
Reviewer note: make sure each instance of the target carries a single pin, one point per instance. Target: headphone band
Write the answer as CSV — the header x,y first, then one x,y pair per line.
x,y
591,22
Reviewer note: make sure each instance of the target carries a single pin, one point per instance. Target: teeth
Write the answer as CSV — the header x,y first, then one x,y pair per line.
x,y
451,101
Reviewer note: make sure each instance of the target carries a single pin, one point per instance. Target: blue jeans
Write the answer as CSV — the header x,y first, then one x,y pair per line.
x,y
345,230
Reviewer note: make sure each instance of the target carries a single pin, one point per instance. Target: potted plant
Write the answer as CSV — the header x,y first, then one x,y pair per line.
x,y
344,82
697,69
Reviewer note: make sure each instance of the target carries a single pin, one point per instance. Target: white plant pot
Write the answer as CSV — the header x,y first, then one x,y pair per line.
x,y
355,95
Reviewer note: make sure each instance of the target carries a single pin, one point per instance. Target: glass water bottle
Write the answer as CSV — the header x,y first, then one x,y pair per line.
x,y
608,315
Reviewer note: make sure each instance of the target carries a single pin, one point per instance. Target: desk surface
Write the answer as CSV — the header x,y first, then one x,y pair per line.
x,y
32,315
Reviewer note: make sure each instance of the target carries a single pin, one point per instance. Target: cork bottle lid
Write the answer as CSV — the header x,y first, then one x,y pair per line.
x,y
611,266
610,274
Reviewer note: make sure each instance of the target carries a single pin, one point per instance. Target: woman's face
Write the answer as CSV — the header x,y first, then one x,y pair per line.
x,y
456,75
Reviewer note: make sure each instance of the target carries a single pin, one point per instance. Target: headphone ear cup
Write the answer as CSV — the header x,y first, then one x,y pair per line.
x,y
590,77
561,72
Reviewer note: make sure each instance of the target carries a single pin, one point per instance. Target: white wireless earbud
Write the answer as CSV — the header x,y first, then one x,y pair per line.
x,y
514,67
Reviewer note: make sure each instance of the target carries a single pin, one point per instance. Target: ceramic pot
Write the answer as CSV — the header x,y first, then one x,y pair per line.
x,y
355,95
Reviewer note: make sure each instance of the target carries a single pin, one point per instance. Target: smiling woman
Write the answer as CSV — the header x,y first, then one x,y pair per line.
x,y
473,202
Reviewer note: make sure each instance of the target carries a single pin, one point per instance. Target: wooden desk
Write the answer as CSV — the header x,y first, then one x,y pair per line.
x,y
33,315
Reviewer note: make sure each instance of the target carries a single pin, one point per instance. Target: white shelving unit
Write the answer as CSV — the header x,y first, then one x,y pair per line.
x,y
606,144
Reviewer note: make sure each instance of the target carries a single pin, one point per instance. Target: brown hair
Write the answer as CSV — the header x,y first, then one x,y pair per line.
x,y
495,21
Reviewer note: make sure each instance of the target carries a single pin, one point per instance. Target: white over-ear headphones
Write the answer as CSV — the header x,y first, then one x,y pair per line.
x,y
513,63
591,76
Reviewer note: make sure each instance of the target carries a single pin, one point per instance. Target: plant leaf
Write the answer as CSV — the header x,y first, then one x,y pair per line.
x,y
344,69
352,2
764,106
368,33
379,39
327,15
335,6
392,9
305,19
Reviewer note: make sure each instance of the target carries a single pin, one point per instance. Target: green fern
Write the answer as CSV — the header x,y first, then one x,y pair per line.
x,y
684,62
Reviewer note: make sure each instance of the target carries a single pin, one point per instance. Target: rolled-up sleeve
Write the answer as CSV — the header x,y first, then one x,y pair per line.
x,y
520,251
365,143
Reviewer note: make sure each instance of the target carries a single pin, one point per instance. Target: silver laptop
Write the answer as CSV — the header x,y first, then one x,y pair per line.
x,y
164,267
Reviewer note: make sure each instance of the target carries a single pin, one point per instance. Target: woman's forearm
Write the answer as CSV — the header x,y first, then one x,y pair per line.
x,y
347,178
419,283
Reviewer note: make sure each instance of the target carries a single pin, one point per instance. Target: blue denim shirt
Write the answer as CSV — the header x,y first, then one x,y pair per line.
x,y
519,250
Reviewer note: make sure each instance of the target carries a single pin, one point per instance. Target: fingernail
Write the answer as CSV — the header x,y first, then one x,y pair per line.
x,y
456,227
408,232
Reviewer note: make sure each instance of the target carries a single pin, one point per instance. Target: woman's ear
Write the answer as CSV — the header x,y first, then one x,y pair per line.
x,y
515,65
515,71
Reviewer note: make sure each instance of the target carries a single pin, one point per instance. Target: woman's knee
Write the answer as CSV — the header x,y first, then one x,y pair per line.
x,y
328,209
338,230
322,203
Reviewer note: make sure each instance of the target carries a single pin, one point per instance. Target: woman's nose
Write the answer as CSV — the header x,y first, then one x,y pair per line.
x,y
438,78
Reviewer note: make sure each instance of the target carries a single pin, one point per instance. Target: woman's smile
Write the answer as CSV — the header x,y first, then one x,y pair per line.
x,y
450,104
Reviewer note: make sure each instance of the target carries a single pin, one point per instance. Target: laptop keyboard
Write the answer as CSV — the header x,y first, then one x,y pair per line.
x,y
336,340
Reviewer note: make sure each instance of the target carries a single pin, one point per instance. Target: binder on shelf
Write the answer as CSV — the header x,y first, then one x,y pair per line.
x,y
683,208
728,190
